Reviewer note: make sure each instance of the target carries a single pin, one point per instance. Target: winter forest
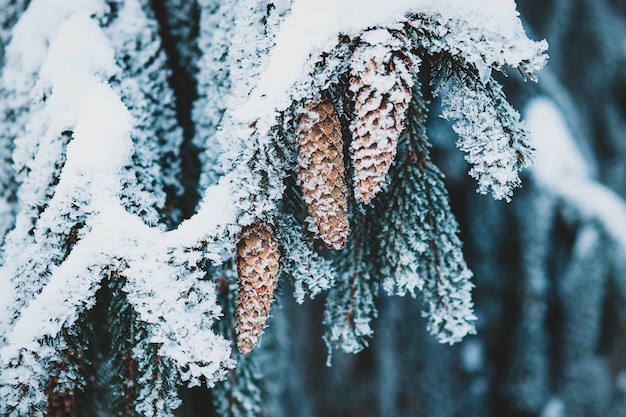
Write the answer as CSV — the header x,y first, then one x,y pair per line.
x,y
311,208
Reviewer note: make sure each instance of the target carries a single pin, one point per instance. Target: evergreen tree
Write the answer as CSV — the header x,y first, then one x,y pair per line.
x,y
172,170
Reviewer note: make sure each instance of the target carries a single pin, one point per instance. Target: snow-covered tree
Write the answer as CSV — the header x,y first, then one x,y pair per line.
x,y
171,169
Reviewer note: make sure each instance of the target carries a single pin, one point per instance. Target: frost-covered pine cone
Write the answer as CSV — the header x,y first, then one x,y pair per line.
x,y
257,266
321,172
381,81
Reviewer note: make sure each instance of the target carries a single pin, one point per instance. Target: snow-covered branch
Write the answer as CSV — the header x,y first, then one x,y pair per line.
x,y
561,168
96,145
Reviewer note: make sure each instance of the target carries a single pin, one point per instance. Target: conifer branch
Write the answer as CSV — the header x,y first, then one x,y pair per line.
x,y
96,145
240,393
490,131
426,260
350,307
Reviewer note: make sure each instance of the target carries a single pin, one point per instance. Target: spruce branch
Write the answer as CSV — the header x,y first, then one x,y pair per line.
x,y
241,393
142,84
350,307
419,227
481,46
97,163
496,141
68,379
309,271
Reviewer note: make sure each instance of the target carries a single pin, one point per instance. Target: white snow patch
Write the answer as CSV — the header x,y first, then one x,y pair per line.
x,y
562,169
57,304
78,54
30,38
101,145
217,210
553,408
557,155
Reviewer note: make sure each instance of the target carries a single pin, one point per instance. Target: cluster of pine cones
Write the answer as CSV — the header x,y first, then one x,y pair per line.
x,y
381,82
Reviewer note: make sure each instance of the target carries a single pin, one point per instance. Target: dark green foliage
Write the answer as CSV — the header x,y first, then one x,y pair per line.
x,y
240,394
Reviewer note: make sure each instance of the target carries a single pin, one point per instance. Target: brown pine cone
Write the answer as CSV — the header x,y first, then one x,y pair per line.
x,y
381,81
257,266
321,172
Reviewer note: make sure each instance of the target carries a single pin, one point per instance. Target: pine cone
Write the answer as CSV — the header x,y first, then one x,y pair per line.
x,y
381,81
321,172
257,266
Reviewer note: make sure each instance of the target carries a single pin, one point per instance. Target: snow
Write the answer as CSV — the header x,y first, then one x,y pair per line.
x,y
314,25
78,52
159,289
562,169
58,303
179,308
31,34
101,143
217,210
554,408
93,153
61,57
495,140
78,57
558,155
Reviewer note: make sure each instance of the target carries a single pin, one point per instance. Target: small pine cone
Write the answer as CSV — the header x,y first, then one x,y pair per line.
x,y
381,81
321,172
257,266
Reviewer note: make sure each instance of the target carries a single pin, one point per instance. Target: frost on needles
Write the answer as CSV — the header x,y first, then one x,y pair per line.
x,y
93,130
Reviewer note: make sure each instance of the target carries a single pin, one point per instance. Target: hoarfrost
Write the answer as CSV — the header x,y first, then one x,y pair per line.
x,y
496,141
314,25
161,273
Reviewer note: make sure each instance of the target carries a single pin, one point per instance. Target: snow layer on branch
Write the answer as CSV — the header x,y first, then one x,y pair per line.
x,y
235,39
162,278
22,57
31,36
485,44
60,293
66,58
165,288
496,141
84,233
144,88
25,55
561,168
76,54
314,25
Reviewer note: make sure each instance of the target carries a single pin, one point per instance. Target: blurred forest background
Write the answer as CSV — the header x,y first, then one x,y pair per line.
x,y
550,272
